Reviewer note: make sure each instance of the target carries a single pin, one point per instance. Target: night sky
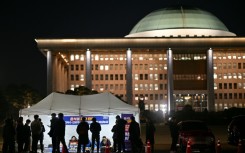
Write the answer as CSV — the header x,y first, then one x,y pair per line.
x,y
21,61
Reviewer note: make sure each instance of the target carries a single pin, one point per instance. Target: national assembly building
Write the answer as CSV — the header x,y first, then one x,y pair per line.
x,y
172,57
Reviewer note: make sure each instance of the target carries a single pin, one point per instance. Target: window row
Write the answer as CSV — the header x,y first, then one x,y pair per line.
x,y
112,57
223,56
150,86
229,95
150,76
189,76
150,66
229,76
220,66
77,77
146,97
229,86
189,56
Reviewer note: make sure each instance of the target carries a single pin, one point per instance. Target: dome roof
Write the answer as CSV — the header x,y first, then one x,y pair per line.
x,y
179,21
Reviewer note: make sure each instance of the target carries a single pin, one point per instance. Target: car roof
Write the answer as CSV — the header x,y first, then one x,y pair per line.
x,y
190,121
238,116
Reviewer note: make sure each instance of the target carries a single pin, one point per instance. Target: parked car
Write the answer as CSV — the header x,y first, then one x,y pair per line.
x,y
201,138
236,129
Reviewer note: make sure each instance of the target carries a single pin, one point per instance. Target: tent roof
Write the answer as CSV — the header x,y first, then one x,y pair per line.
x,y
104,103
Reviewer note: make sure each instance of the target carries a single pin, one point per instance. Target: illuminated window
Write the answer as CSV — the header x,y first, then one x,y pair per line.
x,y
155,76
136,76
234,56
156,107
239,85
101,57
72,57
82,77
229,75
136,87
72,87
215,67
106,67
215,76
96,57
156,86
141,87
146,86
81,57
239,76
225,76
215,86
234,76
77,57
151,76
106,58
101,67
151,86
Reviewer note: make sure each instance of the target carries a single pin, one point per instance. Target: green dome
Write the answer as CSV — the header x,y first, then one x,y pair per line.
x,y
183,18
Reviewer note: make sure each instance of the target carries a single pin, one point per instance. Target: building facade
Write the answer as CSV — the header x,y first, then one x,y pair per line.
x,y
171,58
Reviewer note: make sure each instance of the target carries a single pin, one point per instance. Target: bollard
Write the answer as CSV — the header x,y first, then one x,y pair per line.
x,y
148,147
188,147
239,147
218,147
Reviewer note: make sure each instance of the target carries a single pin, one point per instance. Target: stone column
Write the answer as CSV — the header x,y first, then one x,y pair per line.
x,y
171,102
88,81
50,73
210,80
129,91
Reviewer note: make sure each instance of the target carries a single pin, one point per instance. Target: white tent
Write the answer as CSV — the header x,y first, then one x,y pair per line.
x,y
104,105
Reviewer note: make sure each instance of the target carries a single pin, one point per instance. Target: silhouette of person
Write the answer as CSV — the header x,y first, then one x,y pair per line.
x,y
27,135
134,136
82,131
52,132
19,134
41,136
95,129
8,136
121,133
115,137
60,132
36,129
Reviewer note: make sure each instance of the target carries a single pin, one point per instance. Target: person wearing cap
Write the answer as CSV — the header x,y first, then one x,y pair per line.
x,y
60,132
52,132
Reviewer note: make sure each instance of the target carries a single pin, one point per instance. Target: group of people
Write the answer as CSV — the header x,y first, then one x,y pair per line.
x,y
24,134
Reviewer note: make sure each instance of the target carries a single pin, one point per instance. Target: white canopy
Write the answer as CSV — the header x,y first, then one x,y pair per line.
x,y
104,103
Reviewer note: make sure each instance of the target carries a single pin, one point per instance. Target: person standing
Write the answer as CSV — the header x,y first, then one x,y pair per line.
x,y
115,137
60,132
52,132
41,136
19,134
36,129
82,131
8,136
27,135
121,133
174,131
134,136
150,133
95,129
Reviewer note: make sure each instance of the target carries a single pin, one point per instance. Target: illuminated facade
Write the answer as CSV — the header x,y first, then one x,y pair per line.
x,y
172,57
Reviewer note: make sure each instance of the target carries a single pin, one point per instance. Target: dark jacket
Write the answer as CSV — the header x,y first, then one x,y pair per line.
x,y
60,128
150,132
95,128
82,131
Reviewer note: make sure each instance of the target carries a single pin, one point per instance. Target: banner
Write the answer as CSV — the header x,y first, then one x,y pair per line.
x,y
75,120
